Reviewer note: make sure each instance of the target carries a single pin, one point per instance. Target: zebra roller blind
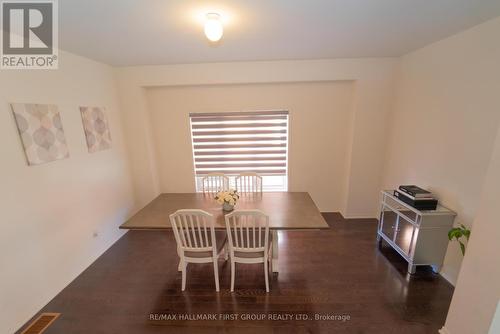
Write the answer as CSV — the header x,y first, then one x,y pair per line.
x,y
235,142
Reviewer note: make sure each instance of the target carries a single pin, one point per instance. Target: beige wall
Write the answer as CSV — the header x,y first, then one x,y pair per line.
x,y
320,128
445,118
477,291
371,96
51,211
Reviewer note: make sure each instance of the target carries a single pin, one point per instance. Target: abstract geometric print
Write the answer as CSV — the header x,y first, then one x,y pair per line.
x,y
41,132
96,128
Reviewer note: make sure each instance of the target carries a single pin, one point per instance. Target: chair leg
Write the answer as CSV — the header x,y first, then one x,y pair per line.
x,y
179,267
232,275
216,274
274,258
226,252
183,268
270,258
266,274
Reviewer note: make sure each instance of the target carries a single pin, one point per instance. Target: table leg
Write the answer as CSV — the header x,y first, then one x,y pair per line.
x,y
274,259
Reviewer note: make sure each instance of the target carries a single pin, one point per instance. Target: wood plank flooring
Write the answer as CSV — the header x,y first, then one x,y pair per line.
x,y
134,287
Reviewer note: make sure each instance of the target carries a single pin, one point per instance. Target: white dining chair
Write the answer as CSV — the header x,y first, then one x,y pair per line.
x,y
249,182
213,182
248,240
196,240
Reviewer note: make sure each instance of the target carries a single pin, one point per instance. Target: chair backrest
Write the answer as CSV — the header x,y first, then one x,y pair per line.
x,y
247,231
194,230
249,183
214,182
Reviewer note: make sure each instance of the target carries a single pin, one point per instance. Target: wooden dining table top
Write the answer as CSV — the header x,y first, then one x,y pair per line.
x,y
286,210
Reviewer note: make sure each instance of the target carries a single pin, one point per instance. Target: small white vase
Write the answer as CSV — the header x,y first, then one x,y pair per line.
x,y
227,207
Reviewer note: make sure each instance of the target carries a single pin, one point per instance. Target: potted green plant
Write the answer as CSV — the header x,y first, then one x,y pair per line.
x,y
459,233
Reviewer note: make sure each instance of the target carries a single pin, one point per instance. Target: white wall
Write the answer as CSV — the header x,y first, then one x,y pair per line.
x,y
320,128
495,323
50,211
445,117
370,104
477,292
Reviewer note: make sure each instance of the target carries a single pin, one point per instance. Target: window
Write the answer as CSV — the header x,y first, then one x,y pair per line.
x,y
236,142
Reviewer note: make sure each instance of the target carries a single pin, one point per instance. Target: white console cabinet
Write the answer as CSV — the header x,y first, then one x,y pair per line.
x,y
420,237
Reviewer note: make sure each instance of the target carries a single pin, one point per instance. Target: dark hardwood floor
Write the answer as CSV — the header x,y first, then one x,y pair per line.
x,y
338,272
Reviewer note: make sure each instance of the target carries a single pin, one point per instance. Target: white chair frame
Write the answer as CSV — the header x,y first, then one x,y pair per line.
x,y
244,232
213,182
194,233
249,182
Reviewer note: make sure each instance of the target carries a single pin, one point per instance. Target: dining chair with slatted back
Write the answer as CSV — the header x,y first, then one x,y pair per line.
x,y
196,240
248,240
213,182
249,182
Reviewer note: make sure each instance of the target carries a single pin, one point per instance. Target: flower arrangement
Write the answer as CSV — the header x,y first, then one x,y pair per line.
x,y
227,198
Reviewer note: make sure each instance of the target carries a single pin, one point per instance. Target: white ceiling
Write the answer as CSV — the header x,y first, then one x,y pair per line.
x,y
146,32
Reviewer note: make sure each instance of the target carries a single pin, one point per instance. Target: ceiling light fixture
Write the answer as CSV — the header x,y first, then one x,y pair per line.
x,y
213,27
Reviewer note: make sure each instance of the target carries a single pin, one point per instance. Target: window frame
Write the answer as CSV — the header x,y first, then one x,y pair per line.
x,y
266,188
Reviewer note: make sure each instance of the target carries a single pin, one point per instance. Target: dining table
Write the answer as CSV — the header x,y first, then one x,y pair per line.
x,y
286,211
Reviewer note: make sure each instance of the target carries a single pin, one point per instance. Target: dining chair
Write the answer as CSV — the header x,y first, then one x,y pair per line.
x,y
196,240
213,182
249,182
248,240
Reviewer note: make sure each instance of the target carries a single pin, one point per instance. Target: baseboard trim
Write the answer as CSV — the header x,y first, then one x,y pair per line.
x,y
360,217
346,216
444,330
447,278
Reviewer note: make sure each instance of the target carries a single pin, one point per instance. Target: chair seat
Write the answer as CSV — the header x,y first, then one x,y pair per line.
x,y
220,240
248,255
251,255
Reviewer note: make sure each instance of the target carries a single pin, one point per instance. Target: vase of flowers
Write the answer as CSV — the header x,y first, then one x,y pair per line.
x,y
227,198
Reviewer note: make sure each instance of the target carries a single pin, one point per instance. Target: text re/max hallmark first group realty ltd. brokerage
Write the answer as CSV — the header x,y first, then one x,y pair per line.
x,y
248,317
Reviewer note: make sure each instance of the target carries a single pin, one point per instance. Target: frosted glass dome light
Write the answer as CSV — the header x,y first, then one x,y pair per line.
x,y
213,27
